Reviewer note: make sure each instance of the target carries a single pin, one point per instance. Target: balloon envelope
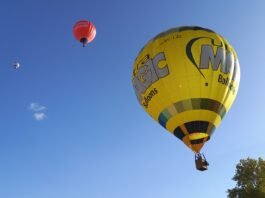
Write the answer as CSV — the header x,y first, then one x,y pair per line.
x,y
16,65
186,79
84,31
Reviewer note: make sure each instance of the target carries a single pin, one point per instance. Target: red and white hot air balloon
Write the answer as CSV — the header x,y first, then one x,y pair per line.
x,y
84,31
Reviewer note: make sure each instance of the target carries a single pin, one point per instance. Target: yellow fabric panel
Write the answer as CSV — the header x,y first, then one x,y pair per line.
x,y
186,141
196,136
194,147
193,115
197,147
183,129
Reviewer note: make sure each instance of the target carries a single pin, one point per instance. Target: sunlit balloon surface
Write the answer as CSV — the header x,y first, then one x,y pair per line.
x,y
186,79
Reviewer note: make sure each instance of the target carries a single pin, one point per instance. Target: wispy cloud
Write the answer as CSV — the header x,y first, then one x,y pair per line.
x,y
36,107
38,111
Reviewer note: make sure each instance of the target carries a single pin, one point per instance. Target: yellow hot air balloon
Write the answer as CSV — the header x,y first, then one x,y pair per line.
x,y
186,79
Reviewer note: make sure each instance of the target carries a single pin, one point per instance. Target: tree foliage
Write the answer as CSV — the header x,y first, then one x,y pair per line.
x,y
250,178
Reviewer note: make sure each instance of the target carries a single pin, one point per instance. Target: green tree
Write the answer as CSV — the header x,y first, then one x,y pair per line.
x,y
250,178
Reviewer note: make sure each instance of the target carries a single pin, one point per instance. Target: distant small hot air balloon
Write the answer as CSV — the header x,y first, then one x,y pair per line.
x,y
16,65
84,31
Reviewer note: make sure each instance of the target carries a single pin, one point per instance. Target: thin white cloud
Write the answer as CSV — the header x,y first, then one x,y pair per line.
x,y
39,116
36,107
38,111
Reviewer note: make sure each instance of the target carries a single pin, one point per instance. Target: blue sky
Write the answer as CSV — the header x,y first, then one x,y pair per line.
x,y
95,140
